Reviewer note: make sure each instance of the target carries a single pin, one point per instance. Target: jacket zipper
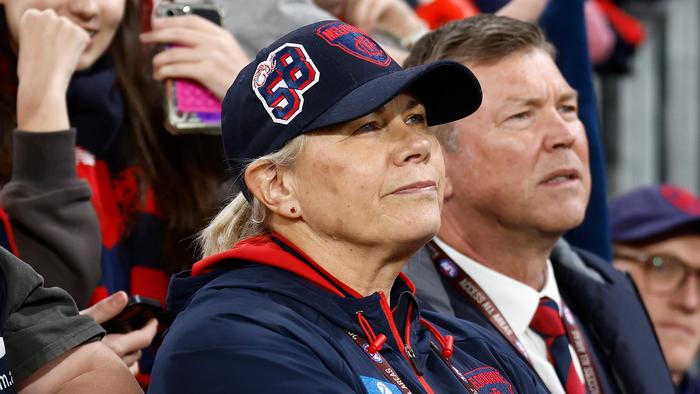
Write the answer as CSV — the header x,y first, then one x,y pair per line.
x,y
404,347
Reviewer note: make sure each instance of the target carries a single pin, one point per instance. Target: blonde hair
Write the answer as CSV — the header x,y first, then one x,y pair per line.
x,y
238,219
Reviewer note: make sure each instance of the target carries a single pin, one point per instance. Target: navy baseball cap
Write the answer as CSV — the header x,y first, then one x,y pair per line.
x,y
652,211
325,74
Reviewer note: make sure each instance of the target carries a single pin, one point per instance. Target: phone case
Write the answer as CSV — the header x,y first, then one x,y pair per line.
x,y
189,106
192,108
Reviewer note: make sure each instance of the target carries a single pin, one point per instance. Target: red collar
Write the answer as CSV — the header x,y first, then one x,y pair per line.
x,y
262,249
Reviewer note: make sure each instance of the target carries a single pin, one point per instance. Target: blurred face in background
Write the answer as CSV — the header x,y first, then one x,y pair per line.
x,y
100,18
666,273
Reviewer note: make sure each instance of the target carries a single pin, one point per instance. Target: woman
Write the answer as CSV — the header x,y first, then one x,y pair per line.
x,y
78,69
300,290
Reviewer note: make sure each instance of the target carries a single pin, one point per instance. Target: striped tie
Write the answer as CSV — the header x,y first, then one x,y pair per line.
x,y
548,324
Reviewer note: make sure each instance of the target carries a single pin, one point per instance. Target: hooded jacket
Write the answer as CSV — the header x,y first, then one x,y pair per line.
x,y
625,349
264,318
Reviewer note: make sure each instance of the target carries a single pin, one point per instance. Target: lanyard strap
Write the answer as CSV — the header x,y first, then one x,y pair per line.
x,y
460,376
474,293
583,351
385,368
381,363
464,283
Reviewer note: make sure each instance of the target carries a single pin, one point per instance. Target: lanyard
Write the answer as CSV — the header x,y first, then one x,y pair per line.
x,y
478,297
381,364
385,368
582,349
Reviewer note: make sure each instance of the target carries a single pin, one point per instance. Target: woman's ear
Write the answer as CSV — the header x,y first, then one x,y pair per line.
x,y
273,187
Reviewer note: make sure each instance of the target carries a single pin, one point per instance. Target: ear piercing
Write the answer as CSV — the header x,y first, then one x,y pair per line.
x,y
293,210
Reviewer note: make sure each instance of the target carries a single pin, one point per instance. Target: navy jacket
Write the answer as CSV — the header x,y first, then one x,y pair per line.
x,y
264,318
689,385
625,348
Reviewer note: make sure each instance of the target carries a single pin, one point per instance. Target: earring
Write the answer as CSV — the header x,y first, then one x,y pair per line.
x,y
293,210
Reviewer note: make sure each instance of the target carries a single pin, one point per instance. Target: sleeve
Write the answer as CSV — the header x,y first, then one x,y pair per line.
x,y
51,217
40,323
236,353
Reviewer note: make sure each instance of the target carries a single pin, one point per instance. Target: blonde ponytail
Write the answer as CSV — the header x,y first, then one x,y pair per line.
x,y
238,220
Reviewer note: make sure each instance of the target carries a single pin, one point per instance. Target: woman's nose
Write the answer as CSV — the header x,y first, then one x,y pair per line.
x,y
83,9
415,145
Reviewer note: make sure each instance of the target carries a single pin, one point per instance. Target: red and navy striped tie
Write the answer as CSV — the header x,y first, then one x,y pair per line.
x,y
548,324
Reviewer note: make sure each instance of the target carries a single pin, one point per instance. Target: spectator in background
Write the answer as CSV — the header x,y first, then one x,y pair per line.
x,y
517,179
79,71
656,231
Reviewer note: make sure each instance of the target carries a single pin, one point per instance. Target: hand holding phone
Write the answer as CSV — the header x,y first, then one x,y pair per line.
x,y
128,345
198,51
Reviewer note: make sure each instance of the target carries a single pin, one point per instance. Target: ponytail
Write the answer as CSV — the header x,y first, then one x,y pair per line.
x,y
238,219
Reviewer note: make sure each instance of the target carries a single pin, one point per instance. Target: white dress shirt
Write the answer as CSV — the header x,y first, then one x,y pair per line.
x,y
518,303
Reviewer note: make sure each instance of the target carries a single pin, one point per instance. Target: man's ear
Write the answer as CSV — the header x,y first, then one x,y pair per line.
x,y
273,187
447,193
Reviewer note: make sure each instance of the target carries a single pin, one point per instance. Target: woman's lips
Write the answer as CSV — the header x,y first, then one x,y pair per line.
x,y
416,187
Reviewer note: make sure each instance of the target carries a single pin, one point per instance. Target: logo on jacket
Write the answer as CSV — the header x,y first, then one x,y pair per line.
x,y
374,356
449,268
376,386
281,80
354,42
487,380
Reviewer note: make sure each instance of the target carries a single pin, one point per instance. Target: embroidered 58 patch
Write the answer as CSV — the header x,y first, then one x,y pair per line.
x,y
281,80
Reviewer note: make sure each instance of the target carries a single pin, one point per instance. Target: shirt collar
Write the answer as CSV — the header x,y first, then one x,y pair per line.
x,y
516,300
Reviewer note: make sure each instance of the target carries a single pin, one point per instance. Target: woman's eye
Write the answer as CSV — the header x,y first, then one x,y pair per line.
x,y
418,119
367,127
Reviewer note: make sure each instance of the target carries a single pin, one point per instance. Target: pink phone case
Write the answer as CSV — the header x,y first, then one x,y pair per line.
x,y
193,97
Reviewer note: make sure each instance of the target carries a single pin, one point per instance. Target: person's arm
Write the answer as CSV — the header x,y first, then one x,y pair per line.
x,y
52,220
524,10
49,346
90,368
395,17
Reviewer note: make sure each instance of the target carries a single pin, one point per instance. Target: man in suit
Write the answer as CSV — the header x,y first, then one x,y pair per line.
x,y
518,178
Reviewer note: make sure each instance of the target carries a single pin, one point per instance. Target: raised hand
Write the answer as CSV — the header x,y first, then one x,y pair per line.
x,y
201,51
49,50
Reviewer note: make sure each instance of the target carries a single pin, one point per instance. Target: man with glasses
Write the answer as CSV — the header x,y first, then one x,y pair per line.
x,y
657,240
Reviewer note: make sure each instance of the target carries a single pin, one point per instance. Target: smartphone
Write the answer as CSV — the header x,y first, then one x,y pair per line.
x,y
135,315
189,106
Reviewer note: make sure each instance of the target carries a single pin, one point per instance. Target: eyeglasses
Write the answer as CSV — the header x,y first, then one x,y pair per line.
x,y
665,274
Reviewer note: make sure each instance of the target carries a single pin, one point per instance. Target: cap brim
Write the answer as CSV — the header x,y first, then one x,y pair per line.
x,y
447,89
632,232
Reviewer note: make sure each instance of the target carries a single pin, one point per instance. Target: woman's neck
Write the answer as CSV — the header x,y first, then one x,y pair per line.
x,y
365,269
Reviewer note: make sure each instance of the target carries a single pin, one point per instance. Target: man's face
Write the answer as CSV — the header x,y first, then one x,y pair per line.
x,y
521,160
675,313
